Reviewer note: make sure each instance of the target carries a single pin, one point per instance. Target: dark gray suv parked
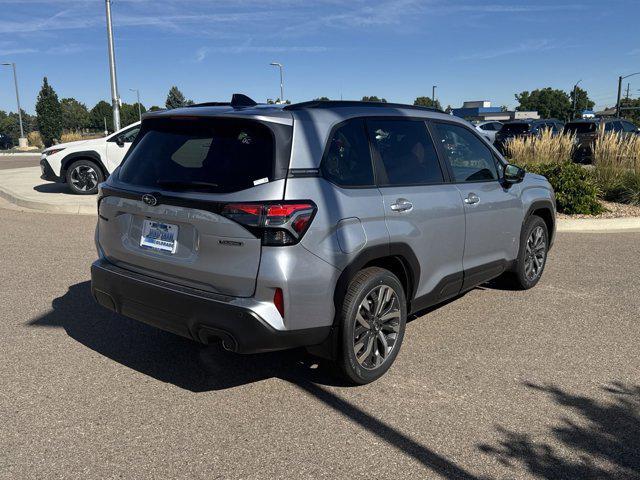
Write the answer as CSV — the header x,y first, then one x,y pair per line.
x,y
321,224
586,133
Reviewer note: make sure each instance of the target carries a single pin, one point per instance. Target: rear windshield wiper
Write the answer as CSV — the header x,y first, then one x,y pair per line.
x,y
186,184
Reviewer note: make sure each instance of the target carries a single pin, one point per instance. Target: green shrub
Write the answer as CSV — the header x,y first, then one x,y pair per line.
x,y
575,187
630,188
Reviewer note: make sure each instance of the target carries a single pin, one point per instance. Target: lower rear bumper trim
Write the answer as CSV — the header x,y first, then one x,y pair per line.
x,y
192,313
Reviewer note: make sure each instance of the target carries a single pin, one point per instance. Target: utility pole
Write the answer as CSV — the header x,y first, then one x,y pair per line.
x,y
115,99
138,97
279,65
627,96
22,141
620,78
433,95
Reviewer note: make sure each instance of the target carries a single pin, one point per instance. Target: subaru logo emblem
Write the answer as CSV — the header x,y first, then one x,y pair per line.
x,y
150,199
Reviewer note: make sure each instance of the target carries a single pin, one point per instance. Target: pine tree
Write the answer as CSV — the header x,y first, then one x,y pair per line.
x,y
176,99
49,114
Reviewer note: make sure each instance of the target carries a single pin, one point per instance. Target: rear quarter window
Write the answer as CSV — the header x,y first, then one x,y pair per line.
x,y
347,158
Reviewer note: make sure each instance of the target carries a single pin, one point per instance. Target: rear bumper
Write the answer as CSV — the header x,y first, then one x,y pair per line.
x,y
191,313
47,172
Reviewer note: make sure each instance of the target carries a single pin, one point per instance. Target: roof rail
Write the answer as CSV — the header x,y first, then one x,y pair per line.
x,y
210,104
238,100
355,103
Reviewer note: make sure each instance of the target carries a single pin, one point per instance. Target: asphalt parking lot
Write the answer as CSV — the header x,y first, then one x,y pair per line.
x,y
18,161
496,384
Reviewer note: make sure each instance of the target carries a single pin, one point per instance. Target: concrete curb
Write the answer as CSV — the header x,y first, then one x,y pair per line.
x,y
21,154
595,225
44,206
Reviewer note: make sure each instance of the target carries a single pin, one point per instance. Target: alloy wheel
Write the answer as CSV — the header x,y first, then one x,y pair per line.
x,y
377,324
535,254
84,178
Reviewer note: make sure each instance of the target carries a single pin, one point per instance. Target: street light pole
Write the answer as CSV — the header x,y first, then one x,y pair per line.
x,y
575,93
620,78
433,95
115,99
279,65
22,141
138,97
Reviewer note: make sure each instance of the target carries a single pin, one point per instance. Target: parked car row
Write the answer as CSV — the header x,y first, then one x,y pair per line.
x,y
321,224
585,130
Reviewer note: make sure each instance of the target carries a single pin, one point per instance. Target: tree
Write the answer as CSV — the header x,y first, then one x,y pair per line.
x,y
548,102
427,102
154,108
10,124
322,99
101,111
630,109
49,114
374,99
75,115
176,99
583,102
129,113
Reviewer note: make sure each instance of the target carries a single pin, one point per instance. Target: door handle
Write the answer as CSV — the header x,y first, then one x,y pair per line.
x,y
471,199
401,205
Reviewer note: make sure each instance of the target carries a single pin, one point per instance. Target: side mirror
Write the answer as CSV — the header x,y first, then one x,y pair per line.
x,y
120,141
513,173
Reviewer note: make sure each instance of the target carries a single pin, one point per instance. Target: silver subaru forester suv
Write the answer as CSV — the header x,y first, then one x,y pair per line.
x,y
321,224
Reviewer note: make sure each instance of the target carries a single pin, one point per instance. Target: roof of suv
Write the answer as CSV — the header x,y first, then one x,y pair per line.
x,y
317,109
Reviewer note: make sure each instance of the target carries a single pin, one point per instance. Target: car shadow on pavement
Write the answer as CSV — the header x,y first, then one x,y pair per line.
x,y
189,365
168,357
54,188
602,437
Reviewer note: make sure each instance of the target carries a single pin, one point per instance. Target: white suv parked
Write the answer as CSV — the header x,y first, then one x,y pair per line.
x,y
84,164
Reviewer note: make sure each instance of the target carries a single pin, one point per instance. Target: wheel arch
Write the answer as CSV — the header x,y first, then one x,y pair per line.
x,y
398,258
543,209
90,155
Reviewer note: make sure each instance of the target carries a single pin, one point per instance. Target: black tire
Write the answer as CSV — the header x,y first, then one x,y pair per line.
x,y
368,284
83,177
521,277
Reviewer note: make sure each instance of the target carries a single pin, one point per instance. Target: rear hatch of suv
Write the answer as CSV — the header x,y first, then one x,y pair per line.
x,y
190,202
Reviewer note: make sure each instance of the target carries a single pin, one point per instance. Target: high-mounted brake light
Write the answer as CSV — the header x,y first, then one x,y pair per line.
x,y
277,223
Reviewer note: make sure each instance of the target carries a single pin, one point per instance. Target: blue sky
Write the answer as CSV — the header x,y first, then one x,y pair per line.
x,y
471,49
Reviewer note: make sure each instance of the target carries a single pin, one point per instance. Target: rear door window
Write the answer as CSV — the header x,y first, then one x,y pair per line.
x,y
347,158
218,155
470,159
405,151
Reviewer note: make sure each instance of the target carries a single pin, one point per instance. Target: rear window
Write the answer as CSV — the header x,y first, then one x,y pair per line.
x,y
580,127
218,155
515,128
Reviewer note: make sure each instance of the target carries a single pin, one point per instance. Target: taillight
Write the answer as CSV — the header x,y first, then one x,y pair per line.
x,y
277,223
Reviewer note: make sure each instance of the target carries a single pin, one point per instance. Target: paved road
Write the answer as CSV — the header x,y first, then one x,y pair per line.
x,y
497,384
7,161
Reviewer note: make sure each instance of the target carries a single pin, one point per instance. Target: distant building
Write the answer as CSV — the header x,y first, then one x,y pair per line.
x,y
481,110
607,112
